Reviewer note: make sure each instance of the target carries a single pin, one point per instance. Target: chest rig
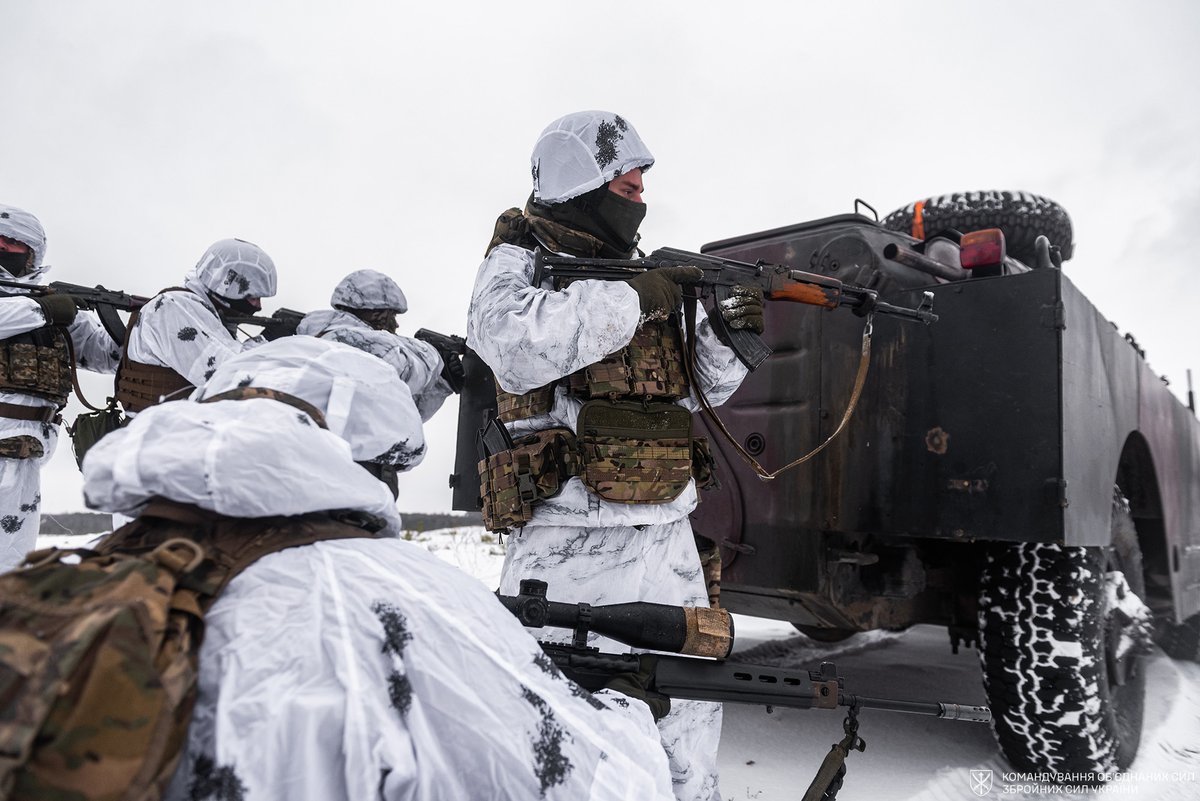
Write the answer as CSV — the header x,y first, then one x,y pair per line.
x,y
37,363
139,385
632,444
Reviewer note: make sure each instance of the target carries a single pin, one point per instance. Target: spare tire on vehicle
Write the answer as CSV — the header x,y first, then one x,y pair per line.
x,y
1022,217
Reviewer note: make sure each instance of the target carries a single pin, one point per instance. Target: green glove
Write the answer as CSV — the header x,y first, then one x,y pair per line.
x,y
658,290
640,685
743,309
58,309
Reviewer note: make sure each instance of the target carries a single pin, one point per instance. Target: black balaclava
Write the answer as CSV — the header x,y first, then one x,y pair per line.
x,y
611,218
235,306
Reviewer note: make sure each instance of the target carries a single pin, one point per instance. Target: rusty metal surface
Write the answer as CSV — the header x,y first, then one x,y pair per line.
x,y
1006,420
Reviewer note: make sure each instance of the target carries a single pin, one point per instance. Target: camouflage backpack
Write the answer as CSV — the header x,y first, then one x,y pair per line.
x,y
99,649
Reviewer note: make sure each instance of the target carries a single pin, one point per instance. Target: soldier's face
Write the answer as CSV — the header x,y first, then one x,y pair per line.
x,y
629,185
8,245
15,256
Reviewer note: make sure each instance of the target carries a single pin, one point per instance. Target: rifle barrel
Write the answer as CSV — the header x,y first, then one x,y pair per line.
x,y
938,709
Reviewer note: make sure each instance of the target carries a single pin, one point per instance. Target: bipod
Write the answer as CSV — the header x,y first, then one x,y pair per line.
x,y
828,781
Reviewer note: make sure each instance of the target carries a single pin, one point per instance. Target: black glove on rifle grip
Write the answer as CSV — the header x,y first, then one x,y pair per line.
x,y
58,309
658,290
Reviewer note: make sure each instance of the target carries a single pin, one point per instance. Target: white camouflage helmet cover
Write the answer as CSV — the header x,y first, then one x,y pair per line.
x,y
361,396
368,289
22,226
583,151
235,269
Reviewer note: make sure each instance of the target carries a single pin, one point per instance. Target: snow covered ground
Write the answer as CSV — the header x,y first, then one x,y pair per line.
x,y
773,756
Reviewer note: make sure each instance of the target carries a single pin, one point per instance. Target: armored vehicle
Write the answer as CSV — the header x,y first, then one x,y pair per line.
x,y
1014,472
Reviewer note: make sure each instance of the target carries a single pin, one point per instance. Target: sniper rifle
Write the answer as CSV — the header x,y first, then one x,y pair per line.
x,y
709,633
721,275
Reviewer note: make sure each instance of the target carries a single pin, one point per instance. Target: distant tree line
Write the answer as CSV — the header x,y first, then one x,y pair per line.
x,y
93,523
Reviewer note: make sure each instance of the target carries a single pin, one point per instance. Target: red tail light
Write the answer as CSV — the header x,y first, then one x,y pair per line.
x,y
982,249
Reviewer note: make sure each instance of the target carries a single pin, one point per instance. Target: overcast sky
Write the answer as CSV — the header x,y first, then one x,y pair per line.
x,y
390,135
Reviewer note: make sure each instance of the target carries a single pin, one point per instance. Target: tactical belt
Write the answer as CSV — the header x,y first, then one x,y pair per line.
x,y
41,414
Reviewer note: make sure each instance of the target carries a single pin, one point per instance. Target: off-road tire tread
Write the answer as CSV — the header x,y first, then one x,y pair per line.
x,y
1056,713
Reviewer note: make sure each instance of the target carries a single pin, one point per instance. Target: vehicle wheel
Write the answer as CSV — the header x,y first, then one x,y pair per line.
x,y
1182,641
1021,215
1063,631
824,635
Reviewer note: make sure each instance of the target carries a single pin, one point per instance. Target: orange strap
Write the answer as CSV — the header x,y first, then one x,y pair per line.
x,y
919,220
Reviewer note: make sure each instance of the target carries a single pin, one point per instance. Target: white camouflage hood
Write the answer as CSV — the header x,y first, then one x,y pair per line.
x,y
368,289
22,226
362,398
260,457
241,458
233,269
583,151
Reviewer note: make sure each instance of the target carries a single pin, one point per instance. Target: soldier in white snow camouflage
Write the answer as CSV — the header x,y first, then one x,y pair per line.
x,y
557,352
178,339
35,376
355,669
365,305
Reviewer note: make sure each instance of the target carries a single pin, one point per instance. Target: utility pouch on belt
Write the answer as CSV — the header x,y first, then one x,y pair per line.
x,y
635,452
90,427
532,468
21,447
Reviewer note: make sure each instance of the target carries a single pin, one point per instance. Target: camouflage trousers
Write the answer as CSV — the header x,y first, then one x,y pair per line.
x,y
619,564
21,493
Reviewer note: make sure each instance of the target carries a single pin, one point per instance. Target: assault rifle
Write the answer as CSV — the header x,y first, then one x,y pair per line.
x,y
451,348
705,632
281,323
721,275
105,302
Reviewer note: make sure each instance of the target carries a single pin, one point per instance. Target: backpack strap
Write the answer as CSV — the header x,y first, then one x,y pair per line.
x,y
230,544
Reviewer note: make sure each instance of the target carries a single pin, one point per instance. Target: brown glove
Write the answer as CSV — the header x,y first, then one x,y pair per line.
x,y
658,290
743,309
58,309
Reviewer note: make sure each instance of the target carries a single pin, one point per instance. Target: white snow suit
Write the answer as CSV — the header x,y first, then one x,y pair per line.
x,y
356,669
588,549
182,330
20,479
417,363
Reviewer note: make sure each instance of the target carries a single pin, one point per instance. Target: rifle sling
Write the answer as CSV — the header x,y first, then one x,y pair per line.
x,y
689,313
75,376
